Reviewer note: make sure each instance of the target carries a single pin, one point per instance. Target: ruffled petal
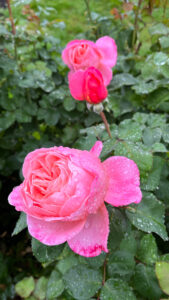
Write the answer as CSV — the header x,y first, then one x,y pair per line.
x,y
92,239
15,198
97,148
109,50
92,164
124,181
76,84
106,73
53,233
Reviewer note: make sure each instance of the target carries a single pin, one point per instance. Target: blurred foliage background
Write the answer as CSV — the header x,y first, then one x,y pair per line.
x,y
36,110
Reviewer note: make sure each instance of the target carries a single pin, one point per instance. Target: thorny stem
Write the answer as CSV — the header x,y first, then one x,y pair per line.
x,y
11,18
136,23
104,271
105,123
13,26
104,275
88,10
164,8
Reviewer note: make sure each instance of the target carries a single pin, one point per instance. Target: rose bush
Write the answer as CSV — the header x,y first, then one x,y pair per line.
x,y
87,85
63,195
82,54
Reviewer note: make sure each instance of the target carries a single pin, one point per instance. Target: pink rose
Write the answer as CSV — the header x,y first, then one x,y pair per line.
x,y
63,195
87,85
82,54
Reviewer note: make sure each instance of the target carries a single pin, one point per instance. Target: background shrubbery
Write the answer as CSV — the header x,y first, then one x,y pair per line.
x,y
36,110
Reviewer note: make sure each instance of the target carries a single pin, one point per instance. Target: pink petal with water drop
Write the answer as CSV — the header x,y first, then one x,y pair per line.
x,y
124,181
53,233
97,148
92,239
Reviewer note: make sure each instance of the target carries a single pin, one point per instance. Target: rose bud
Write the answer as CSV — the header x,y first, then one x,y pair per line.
x,y
87,85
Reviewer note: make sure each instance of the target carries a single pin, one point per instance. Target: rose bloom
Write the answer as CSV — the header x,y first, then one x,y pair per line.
x,y
82,54
63,195
87,85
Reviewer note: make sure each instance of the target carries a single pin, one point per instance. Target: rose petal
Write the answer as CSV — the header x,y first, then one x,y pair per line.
x,y
53,233
67,50
106,73
124,181
15,198
76,83
109,50
92,164
97,148
92,239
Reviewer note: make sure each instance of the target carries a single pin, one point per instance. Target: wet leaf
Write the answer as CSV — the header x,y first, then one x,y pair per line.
x,y
55,286
162,272
149,216
45,254
116,289
82,282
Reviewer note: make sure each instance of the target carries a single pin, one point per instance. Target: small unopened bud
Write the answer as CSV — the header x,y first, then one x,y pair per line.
x,y
98,108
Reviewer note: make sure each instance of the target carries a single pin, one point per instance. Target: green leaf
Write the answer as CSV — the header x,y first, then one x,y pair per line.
x,y
69,103
85,143
122,79
93,262
149,216
116,289
21,224
156,120
147,251
119,226
145,282
160,58
40,288
25,287
108,147
67,263
130,130
83,282
162,273
164,42
140,118
157,98
159,147
121,264
137,152
152,181
6,120
45,254
151,136
159,29
50,115
55,286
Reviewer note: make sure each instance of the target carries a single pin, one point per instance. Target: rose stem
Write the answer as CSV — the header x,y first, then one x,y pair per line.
x,y
11,17
13,26
136,23
88,11
105,123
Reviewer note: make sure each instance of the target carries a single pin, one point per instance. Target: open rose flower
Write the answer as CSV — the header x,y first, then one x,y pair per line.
x,y
87,85
63,195
82,54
